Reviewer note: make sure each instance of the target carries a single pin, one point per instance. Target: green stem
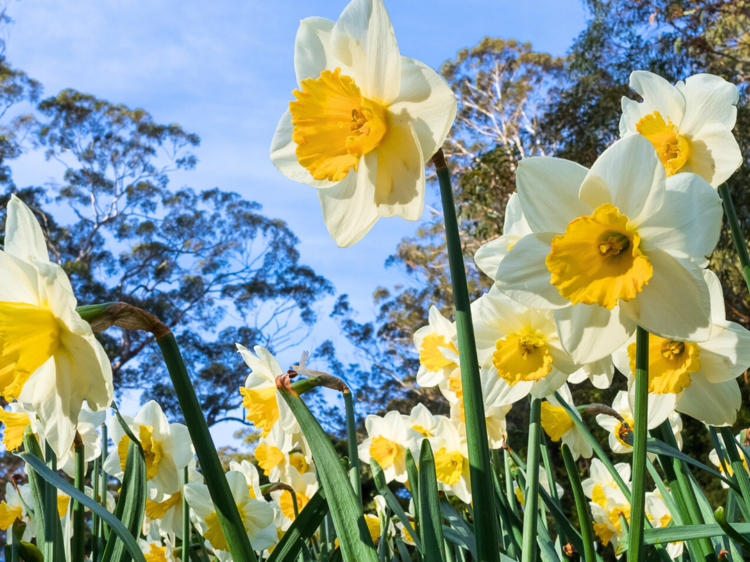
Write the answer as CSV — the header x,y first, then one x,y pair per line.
x,y
638,501
103,529
218,487
95,521
582,506
11,536
351,439
77,548
738,466
485,527
528,553
51,520
734,225
186,530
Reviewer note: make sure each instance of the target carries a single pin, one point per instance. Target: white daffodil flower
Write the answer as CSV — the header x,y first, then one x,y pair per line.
x,y
15,421
558,424
431,342
264,404
659,516
600,478
250,472
515,227
167,514
600,373
543,483
621,405
452,459
88,423
257,514
375,521
158,546
304,485
522,345
275,452
364,121
614,247
607,504
50,360
422,420
405,536
166,446
16,507
690,124
388,438
714,458
695,378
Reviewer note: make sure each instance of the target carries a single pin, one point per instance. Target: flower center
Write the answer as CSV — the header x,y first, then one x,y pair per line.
x,y
158,510
672,147
383,450
334,125
621,430
262,408
448,466
215,535
522,356
8,515
299,462
287,504
670,364
555,421
152,450
63,501
156,553
429,353
29,336
422,430
268,457
598,259
15,424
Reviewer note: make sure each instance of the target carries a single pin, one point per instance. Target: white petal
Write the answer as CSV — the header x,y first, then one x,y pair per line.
x,y
399,182
726,355
18,280
363,39
524,277
708,98
427,102
489,255
589,332
658,95
349,207
718,311
714,404
629,175
548,385
284,155
312,49
515,222
660,406
548,189
675,304
91,365
23,235
507,394
714,154
689,221
286,417
180,445
152,415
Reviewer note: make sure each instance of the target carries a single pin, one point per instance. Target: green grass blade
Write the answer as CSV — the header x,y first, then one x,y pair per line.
x,y
528,552
354,538
454,536
739,241
351,441
432,525
660,448
303,527
77,551
187,532
674,533
638,500
392,502
402,550
582,506
459,527
737,465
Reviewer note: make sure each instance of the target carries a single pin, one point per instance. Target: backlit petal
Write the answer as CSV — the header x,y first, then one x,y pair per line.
x,y
714,404
400,182
715,154
708,98
589,332
23,235
658,95
312,49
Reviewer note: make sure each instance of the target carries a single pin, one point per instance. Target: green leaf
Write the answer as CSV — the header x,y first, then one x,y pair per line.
x,y
459,527
120,530
354,537
660,448
29,552
393,503
458,538
303,527
674,533
582,506
429,509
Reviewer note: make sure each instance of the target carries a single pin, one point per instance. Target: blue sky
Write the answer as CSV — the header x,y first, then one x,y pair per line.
x,y
224,70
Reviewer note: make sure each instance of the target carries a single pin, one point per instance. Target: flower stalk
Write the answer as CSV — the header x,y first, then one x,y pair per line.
x,y
638,501
528,552
351,439
77,551
584,517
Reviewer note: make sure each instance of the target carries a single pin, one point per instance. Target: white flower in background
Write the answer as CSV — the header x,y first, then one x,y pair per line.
x,y
405,535
88,423
250,472
152,547
600,478
714,458
304,486
257,514
522,345
607,504
659,516
15,507
167,513
690,124
264,404
558,424
621,405
515,227
694,378
614,247
15,421
388,438
543,483
364,122
167,448
600,373
452,459
275,452
431,342
375,522
422,420
50,360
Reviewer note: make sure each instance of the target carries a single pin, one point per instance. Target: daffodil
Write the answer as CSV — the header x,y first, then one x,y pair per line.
x,y
257,514
432,341
276,451
167,513
304,486
15,420
364,121
158,546
695,378
600,478
50,360
617,429
405,535
388,438
558,424
375,521
714,458
422,420
614,247
264,404
18,506
521,344
600,373
543,483
88,422
515,227
607,505
451,454
689,124
166,446
659,515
